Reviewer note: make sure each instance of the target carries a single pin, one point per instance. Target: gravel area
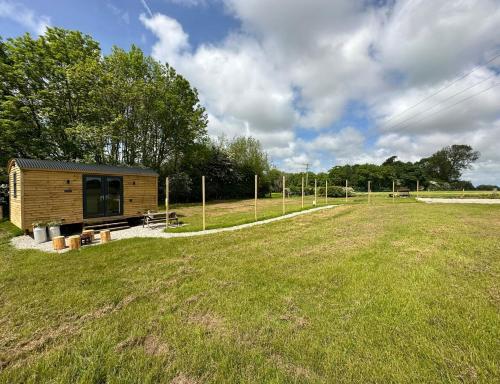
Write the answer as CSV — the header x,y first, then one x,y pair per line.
x,y
435,200
26,242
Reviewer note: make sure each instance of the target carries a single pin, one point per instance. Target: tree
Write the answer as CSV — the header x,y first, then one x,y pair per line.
x,y
60,98
448,163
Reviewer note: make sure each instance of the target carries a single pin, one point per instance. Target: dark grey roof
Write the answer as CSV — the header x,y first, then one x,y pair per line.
x,y
81,167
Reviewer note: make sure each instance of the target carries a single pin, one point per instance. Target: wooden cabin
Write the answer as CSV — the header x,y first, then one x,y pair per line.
x,y
74,193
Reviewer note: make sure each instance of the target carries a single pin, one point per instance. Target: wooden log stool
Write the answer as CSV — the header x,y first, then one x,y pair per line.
x,y
91,232
105,235
74,242
85,238
58,243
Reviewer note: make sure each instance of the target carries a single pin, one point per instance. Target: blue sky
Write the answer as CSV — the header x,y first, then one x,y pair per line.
x,y
319,81
117,22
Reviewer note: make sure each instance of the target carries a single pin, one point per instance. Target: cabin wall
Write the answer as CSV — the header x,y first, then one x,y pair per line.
x,y
50,195
140,193
58,195
15,201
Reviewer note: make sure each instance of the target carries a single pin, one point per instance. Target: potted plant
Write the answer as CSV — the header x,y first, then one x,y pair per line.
x,y
39,232
54,229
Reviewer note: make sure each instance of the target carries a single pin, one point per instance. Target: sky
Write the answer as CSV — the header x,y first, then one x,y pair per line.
x,y
318,82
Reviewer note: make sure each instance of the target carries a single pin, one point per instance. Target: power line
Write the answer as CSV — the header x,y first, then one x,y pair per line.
x,y
452,105
441,102
443,88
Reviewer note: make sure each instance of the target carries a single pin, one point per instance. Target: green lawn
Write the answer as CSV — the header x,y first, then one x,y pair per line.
x,y
219,214
380,292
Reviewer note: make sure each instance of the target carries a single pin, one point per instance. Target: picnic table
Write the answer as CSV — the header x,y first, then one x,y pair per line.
x,y
157,217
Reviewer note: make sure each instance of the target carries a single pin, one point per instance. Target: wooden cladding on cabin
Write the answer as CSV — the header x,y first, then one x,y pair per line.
x,y
140,193
58,195
45,199
15,177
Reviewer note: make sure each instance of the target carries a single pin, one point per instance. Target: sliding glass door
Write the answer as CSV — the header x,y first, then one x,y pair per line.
x,y
102,196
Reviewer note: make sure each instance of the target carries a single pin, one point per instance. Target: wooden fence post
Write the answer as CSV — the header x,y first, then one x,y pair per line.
x,y
203,198
166,202
418,187
346,191
283,194
315,192
326,192
255,208
302,192
393,192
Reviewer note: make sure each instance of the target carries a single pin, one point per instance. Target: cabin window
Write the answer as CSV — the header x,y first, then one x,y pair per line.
x,y
15,185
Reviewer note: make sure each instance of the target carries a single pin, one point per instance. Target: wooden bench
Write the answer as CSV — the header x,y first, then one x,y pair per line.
x,y
157,217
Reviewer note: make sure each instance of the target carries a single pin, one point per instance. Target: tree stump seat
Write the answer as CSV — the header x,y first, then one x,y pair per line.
x,y
58,243
74,242
105,236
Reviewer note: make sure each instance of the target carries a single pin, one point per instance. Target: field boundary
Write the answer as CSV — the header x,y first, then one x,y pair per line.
x,y
26,242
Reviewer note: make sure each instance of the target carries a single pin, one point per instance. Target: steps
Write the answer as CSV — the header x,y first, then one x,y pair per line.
x,y
112,225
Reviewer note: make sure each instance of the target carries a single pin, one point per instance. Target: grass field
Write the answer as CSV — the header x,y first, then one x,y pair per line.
x,y
221,214
380,292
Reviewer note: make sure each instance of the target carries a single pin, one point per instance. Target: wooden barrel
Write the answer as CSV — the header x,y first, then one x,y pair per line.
x,y
74,242
58,243
91,232
105,235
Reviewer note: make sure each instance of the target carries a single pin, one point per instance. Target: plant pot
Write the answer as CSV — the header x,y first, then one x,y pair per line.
x,y
40,234
54,231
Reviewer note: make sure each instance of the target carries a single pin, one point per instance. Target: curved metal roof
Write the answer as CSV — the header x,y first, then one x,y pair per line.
x,y
67,166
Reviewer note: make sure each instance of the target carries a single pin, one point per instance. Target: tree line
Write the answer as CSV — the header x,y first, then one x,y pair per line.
x,y
440,171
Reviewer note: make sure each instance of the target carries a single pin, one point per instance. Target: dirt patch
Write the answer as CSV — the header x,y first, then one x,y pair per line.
x,y
152,345
183,379
291,369
292,314
209,321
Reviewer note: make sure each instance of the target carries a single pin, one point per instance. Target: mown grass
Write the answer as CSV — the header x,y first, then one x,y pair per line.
x,y
403,292
220,214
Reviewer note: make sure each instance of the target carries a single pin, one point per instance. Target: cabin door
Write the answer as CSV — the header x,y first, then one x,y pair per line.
x,y
102,196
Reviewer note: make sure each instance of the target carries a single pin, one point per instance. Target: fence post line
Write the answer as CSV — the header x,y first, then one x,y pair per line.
x,y
417,188
393,192
326,192
315,192
203,198
346,191
166,202
255,210
369,190
302,191
283,194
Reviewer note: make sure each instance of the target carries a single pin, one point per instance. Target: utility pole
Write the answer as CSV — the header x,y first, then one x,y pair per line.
x,y
307,172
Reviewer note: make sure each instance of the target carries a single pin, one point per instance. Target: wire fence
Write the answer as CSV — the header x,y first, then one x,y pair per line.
x,y
225,213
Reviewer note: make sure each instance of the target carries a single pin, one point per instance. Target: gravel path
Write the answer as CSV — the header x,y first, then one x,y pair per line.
x,y
434,200
26,242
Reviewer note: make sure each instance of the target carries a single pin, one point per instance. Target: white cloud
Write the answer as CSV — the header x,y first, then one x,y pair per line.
x,y
19,13
297,64
173,41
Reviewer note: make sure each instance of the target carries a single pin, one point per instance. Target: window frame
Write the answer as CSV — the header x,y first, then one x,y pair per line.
x,y
15,185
